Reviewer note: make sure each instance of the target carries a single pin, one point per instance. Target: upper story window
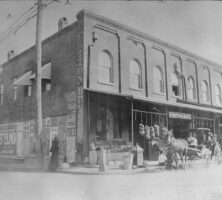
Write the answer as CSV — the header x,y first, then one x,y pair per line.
x,y
191,89
46,85
1,93
205,91
105,69
158,80
135,74
14,89
28,90
218,95
176,84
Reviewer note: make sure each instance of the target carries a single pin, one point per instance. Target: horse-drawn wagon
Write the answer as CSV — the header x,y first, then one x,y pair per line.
x,y
179,152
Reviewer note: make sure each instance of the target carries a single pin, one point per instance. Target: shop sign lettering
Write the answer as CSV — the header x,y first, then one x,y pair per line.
x,y
177,115
8,138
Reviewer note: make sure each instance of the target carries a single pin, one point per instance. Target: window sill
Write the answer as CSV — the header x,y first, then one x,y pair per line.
x,y
192,100
136,89
206,102
159,93
46,91
177,97
103,83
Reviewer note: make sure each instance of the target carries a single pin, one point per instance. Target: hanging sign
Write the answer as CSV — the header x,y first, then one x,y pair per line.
x,y
178,115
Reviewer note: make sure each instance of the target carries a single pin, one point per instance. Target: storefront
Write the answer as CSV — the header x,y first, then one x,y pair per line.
x,y
115,122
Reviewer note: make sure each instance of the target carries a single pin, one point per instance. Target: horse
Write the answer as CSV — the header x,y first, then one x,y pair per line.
x,y
217,153
177,148
205,154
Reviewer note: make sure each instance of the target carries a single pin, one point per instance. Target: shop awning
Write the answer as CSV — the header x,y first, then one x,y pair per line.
x,y
24,79
155,101
45,72
109,93
176,104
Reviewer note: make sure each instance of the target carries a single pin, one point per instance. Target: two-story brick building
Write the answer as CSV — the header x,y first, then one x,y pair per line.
x,y
100,80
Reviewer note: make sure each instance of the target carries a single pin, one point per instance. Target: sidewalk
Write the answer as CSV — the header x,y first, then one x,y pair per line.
x,y
32,165
150,167
94,169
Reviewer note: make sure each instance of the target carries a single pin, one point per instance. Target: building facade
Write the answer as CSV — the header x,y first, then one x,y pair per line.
x,y
100,80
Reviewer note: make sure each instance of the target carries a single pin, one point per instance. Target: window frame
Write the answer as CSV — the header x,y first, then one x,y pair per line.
x,y
15,92
139,86
101,68
179,85
160,82
218,101
45,84
193,89
28,90
1,93
207,92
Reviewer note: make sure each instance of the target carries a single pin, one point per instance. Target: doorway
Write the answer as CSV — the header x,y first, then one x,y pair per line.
x,y
179,126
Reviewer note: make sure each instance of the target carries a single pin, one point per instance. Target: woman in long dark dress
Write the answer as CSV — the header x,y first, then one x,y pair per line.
x,y
54,160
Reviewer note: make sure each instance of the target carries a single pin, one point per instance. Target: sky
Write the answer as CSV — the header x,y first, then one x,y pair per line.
x,y
195,26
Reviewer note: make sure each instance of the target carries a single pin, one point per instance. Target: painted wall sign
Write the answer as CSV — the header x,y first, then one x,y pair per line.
x,y
8,139
178,115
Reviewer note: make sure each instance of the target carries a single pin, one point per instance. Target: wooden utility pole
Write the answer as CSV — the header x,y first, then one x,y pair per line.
x,y
39,66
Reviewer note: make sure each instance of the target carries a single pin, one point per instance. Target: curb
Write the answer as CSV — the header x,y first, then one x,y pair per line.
x,y
109,172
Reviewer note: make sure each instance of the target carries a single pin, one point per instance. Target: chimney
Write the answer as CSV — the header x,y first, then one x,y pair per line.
x,y
62,23
10,54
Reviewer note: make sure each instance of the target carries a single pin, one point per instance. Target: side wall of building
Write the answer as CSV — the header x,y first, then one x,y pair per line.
x,y
62,106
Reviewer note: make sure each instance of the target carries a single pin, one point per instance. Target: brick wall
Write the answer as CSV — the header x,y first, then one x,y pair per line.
x,y
126,43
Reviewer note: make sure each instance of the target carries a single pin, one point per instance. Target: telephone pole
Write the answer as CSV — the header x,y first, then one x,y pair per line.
x,y
39,65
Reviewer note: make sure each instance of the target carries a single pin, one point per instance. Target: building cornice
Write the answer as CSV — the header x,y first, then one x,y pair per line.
x,y
119,26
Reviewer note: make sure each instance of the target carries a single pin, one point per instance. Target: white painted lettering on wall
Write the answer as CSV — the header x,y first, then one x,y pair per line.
x,y
7,138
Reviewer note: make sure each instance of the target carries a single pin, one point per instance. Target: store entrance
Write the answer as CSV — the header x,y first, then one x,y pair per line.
x,y
179,126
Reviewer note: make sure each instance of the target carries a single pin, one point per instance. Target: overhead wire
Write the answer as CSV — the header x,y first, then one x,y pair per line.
x,y
10,28
30,17
21,22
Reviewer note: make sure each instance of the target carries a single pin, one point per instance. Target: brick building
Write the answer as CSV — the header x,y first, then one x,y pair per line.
x,y
100,80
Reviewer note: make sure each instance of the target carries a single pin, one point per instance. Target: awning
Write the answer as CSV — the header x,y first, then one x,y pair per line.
x,y
24,79
45,72
160,102
176,104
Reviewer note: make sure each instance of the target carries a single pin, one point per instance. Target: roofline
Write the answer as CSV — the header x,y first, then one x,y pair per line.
x,y
51,37
131,30
123,27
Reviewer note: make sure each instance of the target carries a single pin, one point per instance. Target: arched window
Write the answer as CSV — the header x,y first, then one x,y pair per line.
x,y
105,69
158,79
191,88
176,85
135,74
205,91
218,95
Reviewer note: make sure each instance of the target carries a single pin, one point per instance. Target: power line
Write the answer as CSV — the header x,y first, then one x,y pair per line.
x,y
15,27
17,21
19,26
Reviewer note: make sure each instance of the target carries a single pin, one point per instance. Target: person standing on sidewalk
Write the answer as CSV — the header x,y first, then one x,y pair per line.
x,y
54,160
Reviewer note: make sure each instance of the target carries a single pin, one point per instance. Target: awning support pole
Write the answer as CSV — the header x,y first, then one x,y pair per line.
x,y
214,124
132,123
